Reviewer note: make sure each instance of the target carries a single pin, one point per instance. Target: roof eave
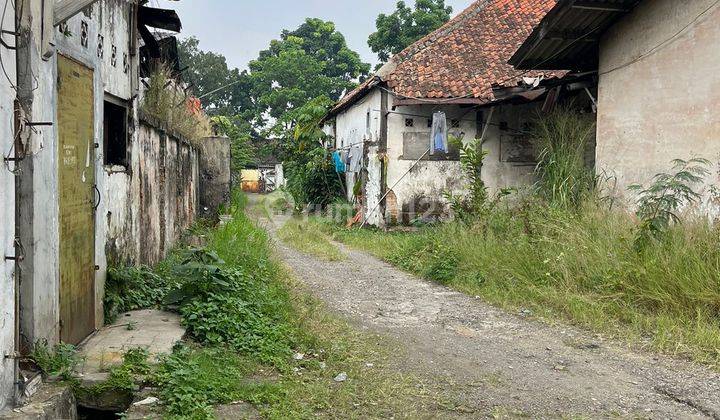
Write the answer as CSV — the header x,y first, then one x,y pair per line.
x,y
357,96
559,42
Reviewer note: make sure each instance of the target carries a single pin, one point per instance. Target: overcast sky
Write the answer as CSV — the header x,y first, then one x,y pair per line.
x,y
239,29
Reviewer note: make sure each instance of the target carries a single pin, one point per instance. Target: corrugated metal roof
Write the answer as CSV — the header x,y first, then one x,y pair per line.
x,y
567,38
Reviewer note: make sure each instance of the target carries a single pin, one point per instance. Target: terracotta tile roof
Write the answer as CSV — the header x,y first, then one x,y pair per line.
x,y
464,58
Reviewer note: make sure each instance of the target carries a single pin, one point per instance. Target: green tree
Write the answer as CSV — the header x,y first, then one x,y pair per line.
x,y
312,179
241,134
223,91
311,61
406,25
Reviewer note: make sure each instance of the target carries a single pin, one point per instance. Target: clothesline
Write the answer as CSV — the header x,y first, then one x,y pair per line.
x,y
350,146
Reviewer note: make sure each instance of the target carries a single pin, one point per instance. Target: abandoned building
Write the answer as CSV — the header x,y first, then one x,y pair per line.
x,y
383,128
654,65
87,181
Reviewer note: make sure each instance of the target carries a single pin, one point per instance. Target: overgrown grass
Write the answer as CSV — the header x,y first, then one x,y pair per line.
x,y
581,266
254,324
295,232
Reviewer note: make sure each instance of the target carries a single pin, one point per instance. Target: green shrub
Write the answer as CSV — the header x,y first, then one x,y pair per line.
x,y
132,288
60,360
658,204
312,180
191,381
230,293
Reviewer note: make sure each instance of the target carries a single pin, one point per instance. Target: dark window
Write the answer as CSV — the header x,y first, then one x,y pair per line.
x,y
455,123
409,122
429,122
115,134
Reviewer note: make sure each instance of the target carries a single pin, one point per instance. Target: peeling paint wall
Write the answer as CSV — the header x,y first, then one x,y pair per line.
x,y
215,174
157,189
351,128
37,214
98,38
664,106
427,182
169,178
7,212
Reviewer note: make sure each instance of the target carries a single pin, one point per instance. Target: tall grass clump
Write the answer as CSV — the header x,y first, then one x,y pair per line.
x,y
561,139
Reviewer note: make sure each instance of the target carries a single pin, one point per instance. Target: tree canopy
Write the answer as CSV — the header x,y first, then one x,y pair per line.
x,y
208,72
311,61
406,25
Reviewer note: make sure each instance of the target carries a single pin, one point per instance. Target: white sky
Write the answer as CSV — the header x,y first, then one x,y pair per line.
x,y
239,29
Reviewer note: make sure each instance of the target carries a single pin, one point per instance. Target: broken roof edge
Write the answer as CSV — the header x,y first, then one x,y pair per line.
x,y
597,18
502,95
352,97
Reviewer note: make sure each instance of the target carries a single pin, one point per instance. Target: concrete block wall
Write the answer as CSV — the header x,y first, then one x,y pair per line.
x,y
168,199
215,174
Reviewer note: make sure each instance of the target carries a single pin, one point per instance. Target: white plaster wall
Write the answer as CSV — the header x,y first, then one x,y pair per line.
x,y
664,106
38,213
428,179
351,128
498,172
7,212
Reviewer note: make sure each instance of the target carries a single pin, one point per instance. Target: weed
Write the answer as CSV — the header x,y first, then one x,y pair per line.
x,y
132,288
581,265
58,361
561,140
476,204
658,204
167,105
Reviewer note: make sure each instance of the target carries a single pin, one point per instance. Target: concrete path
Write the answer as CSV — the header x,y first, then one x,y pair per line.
x,y
154,330
495,364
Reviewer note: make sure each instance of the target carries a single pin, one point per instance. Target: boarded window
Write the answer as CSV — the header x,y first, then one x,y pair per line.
x,y
115,133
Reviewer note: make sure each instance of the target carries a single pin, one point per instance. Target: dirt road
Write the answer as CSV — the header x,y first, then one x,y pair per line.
x,y
495,363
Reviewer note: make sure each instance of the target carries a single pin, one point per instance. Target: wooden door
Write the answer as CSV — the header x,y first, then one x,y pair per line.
x,y
76,185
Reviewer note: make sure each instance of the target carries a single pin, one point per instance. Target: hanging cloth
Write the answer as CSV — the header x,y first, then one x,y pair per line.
x,y
439,134
339,164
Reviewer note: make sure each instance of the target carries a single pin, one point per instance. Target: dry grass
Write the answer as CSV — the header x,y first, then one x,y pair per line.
x,y
164,103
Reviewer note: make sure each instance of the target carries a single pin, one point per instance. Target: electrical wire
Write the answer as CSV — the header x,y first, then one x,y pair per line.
x,y
2,64
663,44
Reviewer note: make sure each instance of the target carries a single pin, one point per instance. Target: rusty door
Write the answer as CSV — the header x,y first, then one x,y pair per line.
x,y
76,184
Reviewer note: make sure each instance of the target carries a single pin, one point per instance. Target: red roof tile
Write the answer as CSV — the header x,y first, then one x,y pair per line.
x,y
464,58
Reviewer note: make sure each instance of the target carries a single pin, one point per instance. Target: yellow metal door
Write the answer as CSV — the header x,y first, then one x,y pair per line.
x,y
76,196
